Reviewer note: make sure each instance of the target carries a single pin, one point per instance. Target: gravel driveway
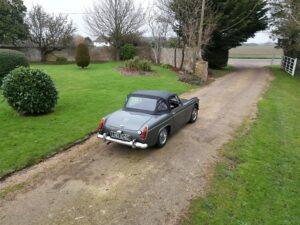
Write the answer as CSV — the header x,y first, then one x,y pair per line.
x,y
98,184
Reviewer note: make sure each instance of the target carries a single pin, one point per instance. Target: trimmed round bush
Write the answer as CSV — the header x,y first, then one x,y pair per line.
x,y
9,60
82,55
30,91
127,51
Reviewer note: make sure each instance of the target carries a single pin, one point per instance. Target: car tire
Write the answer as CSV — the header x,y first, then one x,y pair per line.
x,y
194,115
162,138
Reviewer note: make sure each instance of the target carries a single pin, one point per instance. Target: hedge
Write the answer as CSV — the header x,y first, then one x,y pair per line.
x,y
9,60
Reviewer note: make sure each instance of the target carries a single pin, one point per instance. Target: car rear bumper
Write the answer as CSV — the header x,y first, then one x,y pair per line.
x,y
132,144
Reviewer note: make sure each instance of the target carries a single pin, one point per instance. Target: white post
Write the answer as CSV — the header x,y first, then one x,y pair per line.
x,y
273,56
282,62
294,67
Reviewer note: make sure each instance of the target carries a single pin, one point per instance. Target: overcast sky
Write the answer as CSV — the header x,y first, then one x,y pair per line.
x,y
73,8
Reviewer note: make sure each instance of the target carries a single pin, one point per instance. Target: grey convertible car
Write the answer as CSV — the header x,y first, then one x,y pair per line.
x,y
147,119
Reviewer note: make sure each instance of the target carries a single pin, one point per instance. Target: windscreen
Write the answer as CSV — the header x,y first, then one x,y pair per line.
x,y
141,103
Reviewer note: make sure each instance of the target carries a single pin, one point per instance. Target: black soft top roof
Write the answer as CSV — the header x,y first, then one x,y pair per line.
x,y
154,93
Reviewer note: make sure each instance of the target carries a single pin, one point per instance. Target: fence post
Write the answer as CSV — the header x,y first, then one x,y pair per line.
x,y
294,67
273,56
282,62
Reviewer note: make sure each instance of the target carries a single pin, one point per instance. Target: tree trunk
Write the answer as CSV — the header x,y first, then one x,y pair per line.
x,y
43,56
194,59
158,55
175,57
182,57
117,54
199,45
155,55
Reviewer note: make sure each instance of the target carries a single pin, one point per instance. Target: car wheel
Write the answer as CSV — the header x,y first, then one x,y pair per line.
x,y
194,115
162,138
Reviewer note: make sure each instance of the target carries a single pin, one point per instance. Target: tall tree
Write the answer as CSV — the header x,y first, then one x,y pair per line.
x,y
114,20
47,32
12,26
159,29
285,25
239,20
193,21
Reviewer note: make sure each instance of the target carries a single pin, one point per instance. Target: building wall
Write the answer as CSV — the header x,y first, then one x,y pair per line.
x,y
103,53
68,53
169,56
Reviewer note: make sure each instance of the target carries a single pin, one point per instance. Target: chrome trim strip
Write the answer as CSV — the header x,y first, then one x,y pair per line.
x,y
132,144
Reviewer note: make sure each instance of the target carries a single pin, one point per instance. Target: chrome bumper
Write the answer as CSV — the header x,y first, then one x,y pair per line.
x,y
132,144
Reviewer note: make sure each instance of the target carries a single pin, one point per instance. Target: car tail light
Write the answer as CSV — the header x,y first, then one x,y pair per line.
x,y
101,124
144,133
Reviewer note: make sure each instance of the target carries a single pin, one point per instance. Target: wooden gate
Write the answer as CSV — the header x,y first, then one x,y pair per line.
x,y
289,64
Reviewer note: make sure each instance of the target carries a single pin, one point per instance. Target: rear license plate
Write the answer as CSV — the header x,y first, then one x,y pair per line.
x,y
120,136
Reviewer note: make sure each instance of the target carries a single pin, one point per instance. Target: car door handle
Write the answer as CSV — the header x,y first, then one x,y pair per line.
x,y
173,113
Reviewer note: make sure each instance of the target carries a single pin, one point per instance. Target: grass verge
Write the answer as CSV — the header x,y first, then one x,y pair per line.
x,y
6,191
85,95
258,182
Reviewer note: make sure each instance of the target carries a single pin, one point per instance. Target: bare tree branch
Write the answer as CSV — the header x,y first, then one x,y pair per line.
x,y
159,28
48,32
185,16
284,24
112,20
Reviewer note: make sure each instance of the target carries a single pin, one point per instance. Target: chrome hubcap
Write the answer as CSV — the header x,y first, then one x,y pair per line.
x,y
163,136
194,114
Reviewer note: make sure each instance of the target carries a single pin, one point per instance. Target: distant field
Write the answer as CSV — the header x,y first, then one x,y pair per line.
x,y
257,52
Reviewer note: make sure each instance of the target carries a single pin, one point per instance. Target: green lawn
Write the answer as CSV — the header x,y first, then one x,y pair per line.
x,y
85,95
259,182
